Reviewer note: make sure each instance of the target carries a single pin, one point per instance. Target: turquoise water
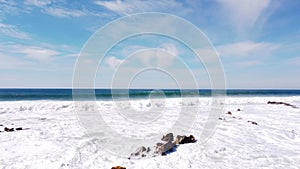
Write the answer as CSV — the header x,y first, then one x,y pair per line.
x,y
106,94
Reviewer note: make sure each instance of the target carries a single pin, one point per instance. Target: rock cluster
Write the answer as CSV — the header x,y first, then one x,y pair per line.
x,y
231,115
162,148
6,129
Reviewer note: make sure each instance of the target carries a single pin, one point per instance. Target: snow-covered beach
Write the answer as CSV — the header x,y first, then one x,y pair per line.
x,y
55,138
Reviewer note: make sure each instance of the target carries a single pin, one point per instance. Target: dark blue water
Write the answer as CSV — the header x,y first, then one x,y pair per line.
x,y
107,94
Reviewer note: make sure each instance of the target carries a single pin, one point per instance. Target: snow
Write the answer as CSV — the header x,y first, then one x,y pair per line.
x,y
56,138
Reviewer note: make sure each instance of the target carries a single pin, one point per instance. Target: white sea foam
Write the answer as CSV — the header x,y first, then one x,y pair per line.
x,y
56,139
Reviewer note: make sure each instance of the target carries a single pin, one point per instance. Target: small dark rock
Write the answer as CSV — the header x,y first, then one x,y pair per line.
x,y
185,139
1,124
252,122
229,113
238,109
8,129
19,128
118,167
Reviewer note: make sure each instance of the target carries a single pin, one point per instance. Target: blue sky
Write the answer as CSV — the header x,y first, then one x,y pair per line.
x,y
258,41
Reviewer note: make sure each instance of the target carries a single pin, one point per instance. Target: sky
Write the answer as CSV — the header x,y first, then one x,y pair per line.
x,y
257,41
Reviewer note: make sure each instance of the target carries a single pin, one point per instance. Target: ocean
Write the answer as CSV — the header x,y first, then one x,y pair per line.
x,y
106,94
60,133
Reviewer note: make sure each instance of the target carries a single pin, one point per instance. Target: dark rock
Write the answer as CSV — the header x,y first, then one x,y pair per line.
x,y
118,167
252,122
238,109
229,113
19,128
185,139
8,129
286,104
1,124
221,118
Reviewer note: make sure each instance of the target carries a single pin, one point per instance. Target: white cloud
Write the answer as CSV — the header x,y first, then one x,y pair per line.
x,y
163,56
246,48
38,53
207,55
60,11
294,61
128,50
38,3
12,31
11,62
113,62
249,63
30,52
7,7
170,48
64,12
244,13
134,6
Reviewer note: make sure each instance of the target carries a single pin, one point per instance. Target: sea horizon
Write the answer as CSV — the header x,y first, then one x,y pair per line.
x,y
16,94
